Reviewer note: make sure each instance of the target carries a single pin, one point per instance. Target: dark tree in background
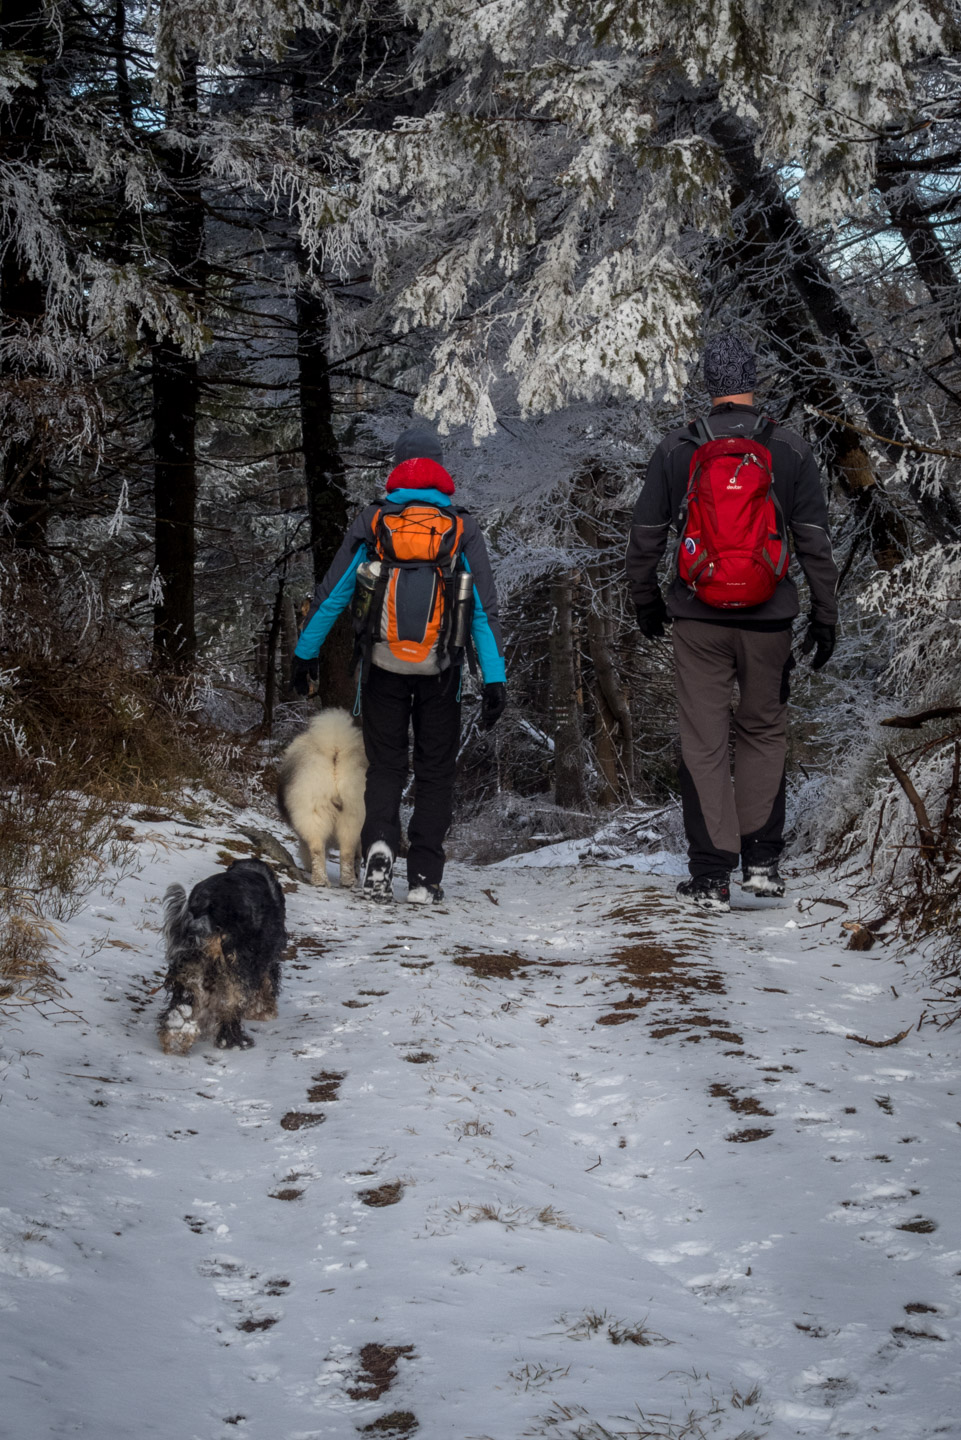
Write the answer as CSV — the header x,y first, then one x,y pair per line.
x,y
24,480
175,382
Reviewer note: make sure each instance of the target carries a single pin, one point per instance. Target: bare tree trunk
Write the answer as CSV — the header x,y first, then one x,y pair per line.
x,y
273,638
566,699
605,744
288,642
175,400
614,739
324,479
324,475
174,377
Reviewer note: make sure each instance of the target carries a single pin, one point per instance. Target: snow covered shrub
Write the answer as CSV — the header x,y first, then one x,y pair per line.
x,y
900,821
55,844
922,600
25,970
545,217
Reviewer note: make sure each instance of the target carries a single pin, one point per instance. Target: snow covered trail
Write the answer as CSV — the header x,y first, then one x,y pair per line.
x,y
556,1159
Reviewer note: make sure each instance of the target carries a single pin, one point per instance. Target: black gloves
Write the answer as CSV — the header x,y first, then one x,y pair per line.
x,y
821,639
493,704
305,676
651,617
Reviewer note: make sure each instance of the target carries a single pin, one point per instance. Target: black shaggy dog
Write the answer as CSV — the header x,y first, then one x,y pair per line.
x,y
224,944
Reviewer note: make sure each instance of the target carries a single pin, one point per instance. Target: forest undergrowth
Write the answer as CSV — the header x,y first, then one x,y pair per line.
x,y
88,731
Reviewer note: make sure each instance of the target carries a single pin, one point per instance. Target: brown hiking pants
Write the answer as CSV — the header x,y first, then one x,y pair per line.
x,y
723,820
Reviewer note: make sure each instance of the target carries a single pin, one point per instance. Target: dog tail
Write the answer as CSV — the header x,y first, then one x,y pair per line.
x,y
182,929
285,779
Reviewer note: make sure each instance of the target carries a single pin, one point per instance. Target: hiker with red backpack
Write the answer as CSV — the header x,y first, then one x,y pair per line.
x,y
735,486
415,570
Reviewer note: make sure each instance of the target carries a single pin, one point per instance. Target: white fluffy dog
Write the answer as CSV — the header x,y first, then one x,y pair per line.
x,y
320,792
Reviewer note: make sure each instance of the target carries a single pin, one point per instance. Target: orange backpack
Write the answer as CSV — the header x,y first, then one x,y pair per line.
x,y
418,545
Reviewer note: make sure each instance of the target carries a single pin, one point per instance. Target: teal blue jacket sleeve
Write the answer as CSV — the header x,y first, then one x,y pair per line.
x,y
486,627
333,593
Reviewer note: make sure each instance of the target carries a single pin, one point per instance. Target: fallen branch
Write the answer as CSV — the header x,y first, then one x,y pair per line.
x,y
928,842
914,722
881,1044
269,845
101,1079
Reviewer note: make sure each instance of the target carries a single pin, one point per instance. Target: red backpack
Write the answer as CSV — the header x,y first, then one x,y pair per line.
x,y
733,550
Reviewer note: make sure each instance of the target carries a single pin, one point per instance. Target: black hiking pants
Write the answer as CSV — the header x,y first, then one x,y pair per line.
x,y
392,705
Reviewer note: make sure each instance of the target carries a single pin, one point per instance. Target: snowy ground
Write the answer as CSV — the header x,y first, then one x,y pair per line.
x,y
561,1160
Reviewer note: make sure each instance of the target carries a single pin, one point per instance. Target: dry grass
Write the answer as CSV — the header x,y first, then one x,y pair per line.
x,y
86,730
56,845
538,1375
511,1217
642,1425
618,1332
26,974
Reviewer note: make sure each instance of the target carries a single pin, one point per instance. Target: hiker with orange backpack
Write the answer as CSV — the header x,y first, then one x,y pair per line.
x,y
415,570
735,487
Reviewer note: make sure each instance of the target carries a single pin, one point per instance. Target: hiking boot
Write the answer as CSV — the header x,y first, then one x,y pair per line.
x,y
707,892
424,894
763,880
378,872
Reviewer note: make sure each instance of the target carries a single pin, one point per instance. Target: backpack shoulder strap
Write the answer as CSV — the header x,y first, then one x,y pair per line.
x,y
702,430
764,429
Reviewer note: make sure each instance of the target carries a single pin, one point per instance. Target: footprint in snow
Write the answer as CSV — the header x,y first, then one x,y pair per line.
x,y
205,1219
827,1387
874,1199
28,1267
250,1114
920,1330
241,1289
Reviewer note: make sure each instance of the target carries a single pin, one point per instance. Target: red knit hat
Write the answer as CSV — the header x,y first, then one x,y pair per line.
x,y
420,474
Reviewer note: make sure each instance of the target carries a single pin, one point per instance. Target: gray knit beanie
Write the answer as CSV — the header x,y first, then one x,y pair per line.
x,y
729,367
420,442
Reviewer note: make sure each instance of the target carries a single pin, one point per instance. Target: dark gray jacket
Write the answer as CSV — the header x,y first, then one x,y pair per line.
x,y
797,485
